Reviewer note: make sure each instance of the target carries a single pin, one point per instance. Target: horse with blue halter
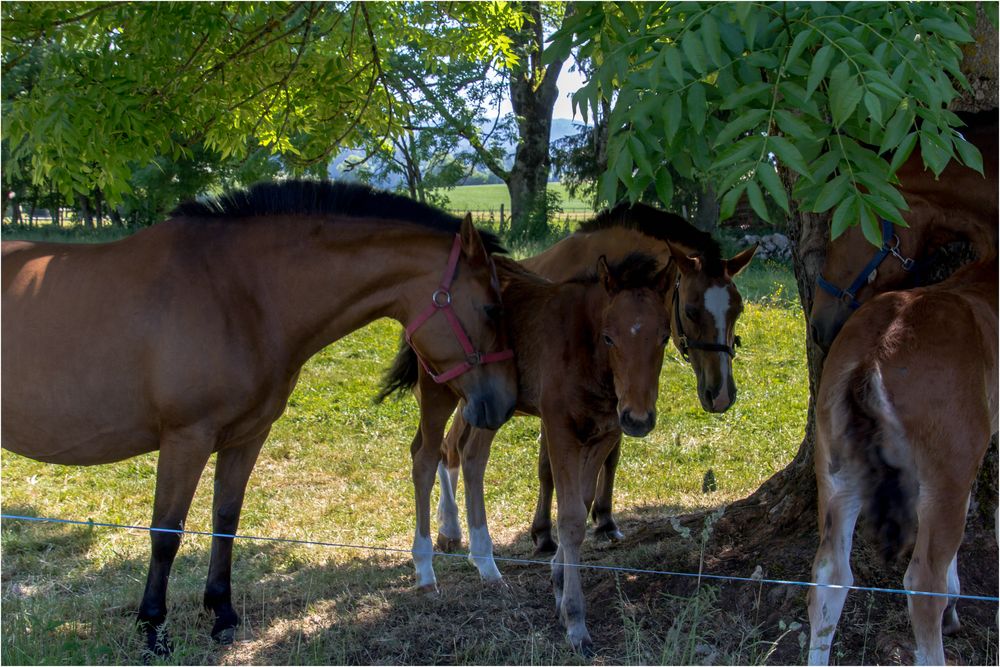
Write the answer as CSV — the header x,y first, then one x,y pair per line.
x,y
959,205
188,338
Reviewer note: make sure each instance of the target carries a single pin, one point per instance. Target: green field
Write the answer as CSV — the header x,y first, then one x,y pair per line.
x,y
336,469
490,197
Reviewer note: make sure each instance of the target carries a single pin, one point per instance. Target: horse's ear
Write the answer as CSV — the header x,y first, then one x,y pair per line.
x,y
740,261
662,280
604,273
688,264
472,242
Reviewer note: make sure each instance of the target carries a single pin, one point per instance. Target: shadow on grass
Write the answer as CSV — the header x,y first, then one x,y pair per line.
x,y
347,608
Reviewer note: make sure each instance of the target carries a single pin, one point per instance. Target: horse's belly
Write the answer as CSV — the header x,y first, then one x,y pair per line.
x,y
71,443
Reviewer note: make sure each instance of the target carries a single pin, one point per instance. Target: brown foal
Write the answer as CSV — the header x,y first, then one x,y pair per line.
x,y
188,338
905,411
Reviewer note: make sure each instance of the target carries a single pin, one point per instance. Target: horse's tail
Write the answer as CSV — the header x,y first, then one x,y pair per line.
x,y
402,375
888,481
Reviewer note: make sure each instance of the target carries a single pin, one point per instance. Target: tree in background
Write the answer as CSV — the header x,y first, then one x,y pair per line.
x,y
813,105
529,72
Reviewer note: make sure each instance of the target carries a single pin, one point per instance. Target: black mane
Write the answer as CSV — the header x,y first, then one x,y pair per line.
x,y
660,225
325,198
635,271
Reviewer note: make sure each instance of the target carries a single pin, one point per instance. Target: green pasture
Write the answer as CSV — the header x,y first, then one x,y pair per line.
x,y
336,469
490,197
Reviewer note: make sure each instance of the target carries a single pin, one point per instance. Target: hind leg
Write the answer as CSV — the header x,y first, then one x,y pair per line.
x,y
232,471
183,455
449,528
605,525
941,524
541,524
950,623
839,505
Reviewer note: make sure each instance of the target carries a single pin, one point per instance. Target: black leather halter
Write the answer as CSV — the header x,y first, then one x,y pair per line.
x,y
689,344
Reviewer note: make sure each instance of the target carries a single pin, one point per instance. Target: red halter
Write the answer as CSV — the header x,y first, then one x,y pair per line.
x,y
441,302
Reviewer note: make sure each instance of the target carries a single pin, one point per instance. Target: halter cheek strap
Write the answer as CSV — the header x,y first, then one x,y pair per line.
x,y
890,246
441,302
690,344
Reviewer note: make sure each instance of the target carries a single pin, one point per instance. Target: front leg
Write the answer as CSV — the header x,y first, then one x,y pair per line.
x,y
449,536
475,456
605,525
565,455
436,405
541,524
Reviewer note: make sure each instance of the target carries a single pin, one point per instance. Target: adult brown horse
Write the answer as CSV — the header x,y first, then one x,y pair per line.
x,y
700,336
905,411
188,337
589,354
960,204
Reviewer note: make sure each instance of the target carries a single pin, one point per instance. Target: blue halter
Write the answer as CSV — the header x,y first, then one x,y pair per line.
x,y
890,246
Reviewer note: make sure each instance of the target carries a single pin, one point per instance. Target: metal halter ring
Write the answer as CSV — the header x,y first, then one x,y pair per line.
x,y
438,293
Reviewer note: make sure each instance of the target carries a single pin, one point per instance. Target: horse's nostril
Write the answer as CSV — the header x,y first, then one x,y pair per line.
x,y
708,397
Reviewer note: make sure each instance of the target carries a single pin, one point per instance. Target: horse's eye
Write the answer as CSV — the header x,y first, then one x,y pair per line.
x,y
666,339
494,312
692,312
607,340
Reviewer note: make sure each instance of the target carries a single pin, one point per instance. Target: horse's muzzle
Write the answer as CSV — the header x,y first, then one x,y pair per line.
x,y
488,410
634,426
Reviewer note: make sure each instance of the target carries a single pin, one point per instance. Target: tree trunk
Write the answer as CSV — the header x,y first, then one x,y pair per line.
x,y
533,94
84,208
706,218
98,208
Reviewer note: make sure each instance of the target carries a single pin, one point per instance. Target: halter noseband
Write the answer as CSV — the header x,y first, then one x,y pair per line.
x,y
890,246
688,344
441,302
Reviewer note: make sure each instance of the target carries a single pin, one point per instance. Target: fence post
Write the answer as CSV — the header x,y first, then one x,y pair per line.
x,y
501,217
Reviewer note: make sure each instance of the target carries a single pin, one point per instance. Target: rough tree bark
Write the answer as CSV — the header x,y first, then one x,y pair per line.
x,y
533,94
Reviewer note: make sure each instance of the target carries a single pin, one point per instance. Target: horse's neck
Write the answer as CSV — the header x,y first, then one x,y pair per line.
x,y
320,281
550,323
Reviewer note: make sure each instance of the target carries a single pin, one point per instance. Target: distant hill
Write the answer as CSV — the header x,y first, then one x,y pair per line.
x,y
561,127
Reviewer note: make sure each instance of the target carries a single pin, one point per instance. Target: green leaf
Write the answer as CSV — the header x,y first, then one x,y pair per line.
x,y
896,129
672,59
884,208
831,193
694,51
799,44
820,64
791,125
874,106
638,152
712,39
696,106
947,29
729,201
902,152
969,154
845,216
845,93
664,186
740,150
768,177
742,123
935,151
789,155
870,226
672,116
756,198
744,95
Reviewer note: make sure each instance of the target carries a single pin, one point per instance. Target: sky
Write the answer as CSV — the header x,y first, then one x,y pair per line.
x,y
568,83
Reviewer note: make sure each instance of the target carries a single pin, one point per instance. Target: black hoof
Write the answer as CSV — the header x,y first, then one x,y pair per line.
x,y
224,629
609,533
587,650
158,644
544,545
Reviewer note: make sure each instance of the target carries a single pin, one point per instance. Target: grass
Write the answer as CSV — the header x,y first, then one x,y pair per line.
x,y
490,197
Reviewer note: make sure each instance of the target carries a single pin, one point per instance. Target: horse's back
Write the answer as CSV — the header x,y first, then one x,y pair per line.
x,y
580,251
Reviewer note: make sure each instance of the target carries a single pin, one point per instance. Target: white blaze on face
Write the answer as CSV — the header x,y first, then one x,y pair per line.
x,y
717,303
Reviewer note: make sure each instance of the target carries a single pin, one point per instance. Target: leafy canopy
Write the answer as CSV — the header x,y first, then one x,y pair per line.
x,y
838,94
93,92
